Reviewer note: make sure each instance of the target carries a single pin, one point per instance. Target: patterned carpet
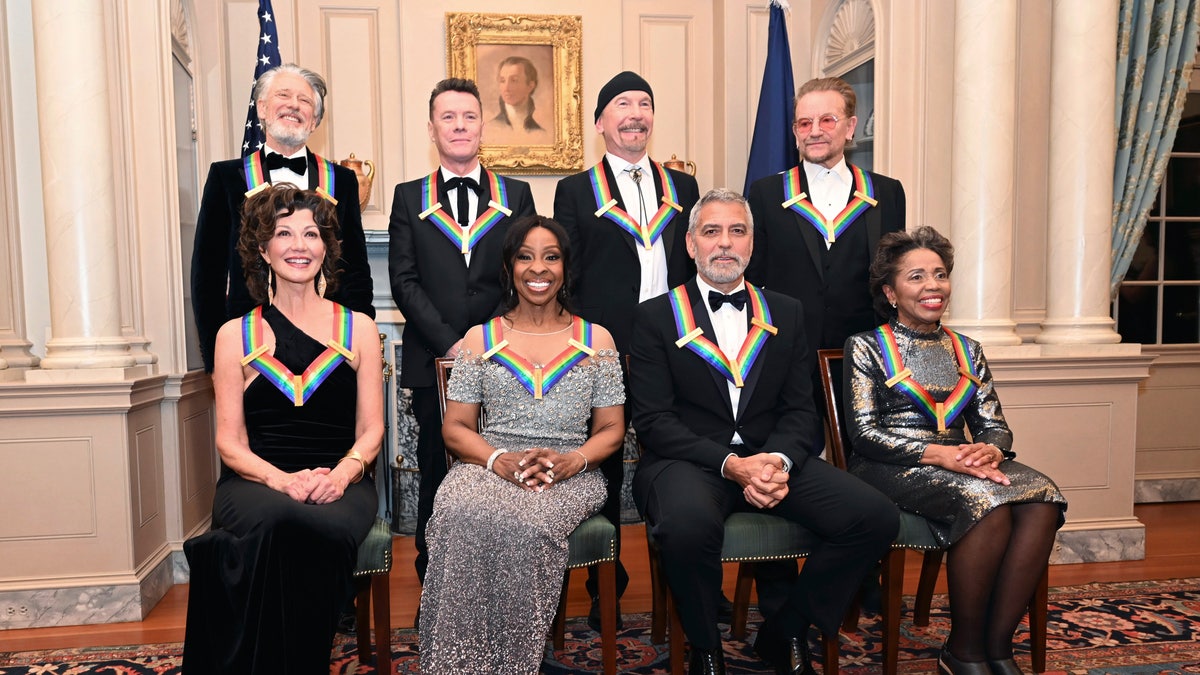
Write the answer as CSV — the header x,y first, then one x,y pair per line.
x,y
1124,628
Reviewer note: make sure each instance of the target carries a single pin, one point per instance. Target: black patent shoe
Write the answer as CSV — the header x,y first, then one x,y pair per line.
x,y
1004,667
799,659
948,665
707,662
593,619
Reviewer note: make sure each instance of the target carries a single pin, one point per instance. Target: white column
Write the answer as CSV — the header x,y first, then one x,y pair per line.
x,y
981,192
1082,147
77,185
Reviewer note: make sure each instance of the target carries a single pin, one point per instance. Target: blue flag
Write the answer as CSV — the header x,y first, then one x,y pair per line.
x,y
268,58
773,148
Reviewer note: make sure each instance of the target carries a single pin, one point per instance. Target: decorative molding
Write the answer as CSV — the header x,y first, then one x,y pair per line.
x,y
851,38
181,45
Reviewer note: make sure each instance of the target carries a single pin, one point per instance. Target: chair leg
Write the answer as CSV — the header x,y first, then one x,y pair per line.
x,y
831,648
381,588
741,600
1037,623
892,582
930,567
675,638
362,618
658,599
608,616
558,628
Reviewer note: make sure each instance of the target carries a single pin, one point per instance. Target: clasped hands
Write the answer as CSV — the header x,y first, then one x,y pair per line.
x,y
981,460
763,480
537,469
311,486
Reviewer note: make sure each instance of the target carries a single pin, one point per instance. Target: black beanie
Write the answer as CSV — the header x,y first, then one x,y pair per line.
x,y
622,82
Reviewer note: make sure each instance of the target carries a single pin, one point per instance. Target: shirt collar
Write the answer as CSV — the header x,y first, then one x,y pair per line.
x,y
841,170
619,165
302,152
447,174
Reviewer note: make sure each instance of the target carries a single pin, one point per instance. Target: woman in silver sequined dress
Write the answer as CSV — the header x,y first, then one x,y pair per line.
x,y
498,534
913,390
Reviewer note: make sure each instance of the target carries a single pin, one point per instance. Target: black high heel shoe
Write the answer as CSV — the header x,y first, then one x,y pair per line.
x,y
948,665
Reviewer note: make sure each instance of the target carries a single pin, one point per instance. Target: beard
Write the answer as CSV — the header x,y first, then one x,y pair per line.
x,y
283,135
722,273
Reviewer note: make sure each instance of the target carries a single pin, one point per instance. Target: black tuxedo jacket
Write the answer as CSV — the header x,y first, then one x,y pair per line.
x,y
440,297
790,257
215,260
605,270
681,408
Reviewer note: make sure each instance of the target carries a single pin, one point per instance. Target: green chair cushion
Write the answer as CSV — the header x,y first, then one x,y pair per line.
x,y
914,533
594,541
375,553
759,536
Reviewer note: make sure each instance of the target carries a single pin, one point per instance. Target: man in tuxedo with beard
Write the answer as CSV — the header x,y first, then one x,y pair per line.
x,y
444,261
722,435
290,101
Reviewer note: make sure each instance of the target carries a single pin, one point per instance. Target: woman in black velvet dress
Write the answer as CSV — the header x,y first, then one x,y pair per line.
x,y
299,388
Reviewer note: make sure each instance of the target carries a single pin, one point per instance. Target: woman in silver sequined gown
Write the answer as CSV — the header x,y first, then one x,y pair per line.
x,y
996,516
498,534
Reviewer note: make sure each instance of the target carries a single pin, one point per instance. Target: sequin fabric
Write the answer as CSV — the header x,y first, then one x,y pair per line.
x,y
497,553
889,433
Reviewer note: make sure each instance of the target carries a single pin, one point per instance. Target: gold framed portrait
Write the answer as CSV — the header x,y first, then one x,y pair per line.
x,y
528,69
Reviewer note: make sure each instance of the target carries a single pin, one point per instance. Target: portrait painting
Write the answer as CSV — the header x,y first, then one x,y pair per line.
x,y
528,70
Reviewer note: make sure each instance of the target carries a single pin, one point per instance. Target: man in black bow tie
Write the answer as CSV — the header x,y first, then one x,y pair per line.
x,y
445,238
723,406
290,102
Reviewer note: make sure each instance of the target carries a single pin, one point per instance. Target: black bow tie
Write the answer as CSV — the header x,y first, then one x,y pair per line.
x,y
737,299
298,165
456,182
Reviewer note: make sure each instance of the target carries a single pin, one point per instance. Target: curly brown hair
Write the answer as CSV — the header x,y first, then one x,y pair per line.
x,y
892,247
262,211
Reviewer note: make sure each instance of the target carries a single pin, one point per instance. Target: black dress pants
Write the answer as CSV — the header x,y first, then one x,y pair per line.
x,y
431,462
685,506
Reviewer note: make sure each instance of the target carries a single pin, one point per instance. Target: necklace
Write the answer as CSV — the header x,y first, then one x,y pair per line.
x,y
553,332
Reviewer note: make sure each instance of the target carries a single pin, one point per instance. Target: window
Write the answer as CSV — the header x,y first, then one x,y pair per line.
x,y
1159,300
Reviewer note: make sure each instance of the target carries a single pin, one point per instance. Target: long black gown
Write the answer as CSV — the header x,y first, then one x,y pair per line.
x,y
270,580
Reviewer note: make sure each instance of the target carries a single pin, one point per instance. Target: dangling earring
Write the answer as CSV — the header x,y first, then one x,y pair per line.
x,y
321,284
893,304
270,286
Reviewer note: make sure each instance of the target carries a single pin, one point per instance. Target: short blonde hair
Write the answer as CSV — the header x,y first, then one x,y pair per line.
x,y
835,84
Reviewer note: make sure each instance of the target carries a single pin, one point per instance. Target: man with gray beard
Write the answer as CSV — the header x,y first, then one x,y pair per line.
x,y
291,103
722,403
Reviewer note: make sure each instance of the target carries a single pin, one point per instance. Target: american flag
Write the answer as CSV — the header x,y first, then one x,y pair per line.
x,y
268,58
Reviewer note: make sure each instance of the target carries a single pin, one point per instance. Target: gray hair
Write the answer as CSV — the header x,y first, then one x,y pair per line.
x,y
724,196
263,83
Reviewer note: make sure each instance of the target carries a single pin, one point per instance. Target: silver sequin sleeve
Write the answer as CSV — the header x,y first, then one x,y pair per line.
x,y
887,426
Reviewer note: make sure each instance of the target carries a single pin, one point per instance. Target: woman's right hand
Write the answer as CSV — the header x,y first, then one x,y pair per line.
x,y
297,485
511,467
952,458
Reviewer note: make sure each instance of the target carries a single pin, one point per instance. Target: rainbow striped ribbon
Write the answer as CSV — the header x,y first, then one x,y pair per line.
x,y
692,336
538,380
432,210
297,387
863,199
900,377
606,206
257,179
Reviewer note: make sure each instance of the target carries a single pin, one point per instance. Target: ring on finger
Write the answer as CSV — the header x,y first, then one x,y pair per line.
x,y
517,476
550,474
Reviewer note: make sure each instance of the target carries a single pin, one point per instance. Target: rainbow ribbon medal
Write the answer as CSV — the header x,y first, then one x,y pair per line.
x,y
901,378
431,209
297,387
256,175
692,337
606,206
863,199
538,380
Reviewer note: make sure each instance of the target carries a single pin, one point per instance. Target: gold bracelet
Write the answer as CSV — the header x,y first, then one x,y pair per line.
x,y
585,460
362,464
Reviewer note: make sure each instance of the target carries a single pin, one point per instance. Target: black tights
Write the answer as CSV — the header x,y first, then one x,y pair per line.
x,y
992,573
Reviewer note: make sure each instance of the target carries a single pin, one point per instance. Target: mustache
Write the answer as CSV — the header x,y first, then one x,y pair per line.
x,y
737,259
632,127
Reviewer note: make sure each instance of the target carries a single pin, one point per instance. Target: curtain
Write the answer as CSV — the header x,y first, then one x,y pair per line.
x,y
1156,47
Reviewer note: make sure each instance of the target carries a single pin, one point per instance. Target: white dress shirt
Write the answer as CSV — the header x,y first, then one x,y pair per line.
x,y
829,189
653,260
472,201
731,326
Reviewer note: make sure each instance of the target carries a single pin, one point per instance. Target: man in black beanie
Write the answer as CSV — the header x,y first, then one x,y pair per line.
x,y
626,217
